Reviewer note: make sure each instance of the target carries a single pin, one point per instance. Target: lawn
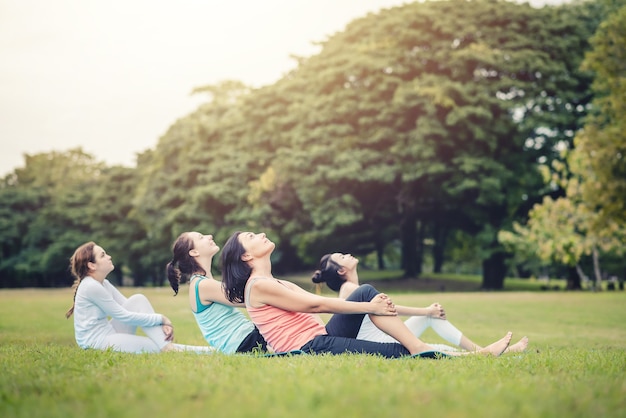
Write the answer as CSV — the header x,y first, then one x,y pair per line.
x,y
575,365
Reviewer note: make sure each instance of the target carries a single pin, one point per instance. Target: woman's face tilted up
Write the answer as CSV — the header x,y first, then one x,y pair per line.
x,y
346,261
203,244
103,263
256,245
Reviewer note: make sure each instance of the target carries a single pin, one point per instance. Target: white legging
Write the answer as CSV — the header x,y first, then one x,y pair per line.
x,y
417,325
124,339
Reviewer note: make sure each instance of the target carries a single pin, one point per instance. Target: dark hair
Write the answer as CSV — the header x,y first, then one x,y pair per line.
x,y
328,272
182,265
235,271
79,268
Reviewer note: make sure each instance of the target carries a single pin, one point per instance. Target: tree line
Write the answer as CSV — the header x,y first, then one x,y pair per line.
x,y
436,129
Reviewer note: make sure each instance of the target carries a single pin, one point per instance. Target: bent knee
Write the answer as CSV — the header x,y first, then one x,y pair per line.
x,y
369,291
139,303
138,297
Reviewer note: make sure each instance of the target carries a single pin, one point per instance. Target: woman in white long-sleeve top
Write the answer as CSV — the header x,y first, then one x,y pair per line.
x,y
105,319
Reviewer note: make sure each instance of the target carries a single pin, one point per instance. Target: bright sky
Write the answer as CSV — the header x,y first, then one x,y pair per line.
x,y
112,75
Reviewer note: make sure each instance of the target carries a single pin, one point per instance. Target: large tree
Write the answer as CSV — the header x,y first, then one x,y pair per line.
x,y
46,203
112,227
428,117
197,176
599,157
591,218
410,124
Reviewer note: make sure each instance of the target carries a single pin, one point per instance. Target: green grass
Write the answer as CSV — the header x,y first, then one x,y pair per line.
x,y
575,366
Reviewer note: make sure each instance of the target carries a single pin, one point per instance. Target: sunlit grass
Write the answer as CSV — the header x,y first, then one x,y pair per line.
x,y
574,367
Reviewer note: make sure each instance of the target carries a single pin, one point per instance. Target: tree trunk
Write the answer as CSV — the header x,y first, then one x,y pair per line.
x,y
573,279
138,274
116,275
380,253
408,234
494,271
419,250
289,260
440,234
158,277
596,268
581,274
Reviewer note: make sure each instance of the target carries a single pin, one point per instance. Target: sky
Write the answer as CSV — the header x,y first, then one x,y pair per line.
x,y
111,76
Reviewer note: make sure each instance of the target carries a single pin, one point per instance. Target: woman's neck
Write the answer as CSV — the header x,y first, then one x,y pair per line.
x,y
350,283
206,266
352,277
262,267
98,277
347,288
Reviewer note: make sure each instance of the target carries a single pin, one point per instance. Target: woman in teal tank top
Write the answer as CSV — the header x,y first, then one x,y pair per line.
x,y
222,324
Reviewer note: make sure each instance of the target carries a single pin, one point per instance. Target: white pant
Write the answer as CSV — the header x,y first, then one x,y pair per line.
x,y
124,339
417,325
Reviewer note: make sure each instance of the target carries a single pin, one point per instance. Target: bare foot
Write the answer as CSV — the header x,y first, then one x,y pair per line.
x,y
170,347
499,346
518,347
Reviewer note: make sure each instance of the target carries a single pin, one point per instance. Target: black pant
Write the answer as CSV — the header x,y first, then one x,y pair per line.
x,y
342,330
254,340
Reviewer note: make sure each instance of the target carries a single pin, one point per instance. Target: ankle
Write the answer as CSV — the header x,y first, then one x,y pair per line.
x,y
169,347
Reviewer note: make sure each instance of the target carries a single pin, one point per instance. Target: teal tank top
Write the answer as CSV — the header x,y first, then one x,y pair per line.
x,y
223,327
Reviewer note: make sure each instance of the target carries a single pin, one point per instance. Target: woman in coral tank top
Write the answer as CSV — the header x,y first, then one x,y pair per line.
x,y
286,315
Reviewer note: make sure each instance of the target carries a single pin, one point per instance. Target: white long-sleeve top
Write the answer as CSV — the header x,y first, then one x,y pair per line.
x,y
95,303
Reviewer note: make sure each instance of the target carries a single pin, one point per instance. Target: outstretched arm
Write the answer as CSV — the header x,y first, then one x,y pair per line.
x,y
435,310
288,296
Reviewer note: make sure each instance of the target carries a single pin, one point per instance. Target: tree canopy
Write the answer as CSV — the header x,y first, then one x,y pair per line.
x,y
591,218
411,128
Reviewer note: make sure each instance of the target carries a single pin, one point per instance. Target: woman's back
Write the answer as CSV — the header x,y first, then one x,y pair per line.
x,y
223,327
283,330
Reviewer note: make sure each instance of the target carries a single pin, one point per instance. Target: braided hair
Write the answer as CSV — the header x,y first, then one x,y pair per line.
x,y
79,268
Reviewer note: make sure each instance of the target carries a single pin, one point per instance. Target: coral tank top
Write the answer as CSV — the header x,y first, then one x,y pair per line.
x,y
283,330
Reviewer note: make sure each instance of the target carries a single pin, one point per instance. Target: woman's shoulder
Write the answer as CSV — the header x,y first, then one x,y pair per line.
x,y
257,278
204,281
272,284
87,282
262,280
89,286
260,283
207,286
